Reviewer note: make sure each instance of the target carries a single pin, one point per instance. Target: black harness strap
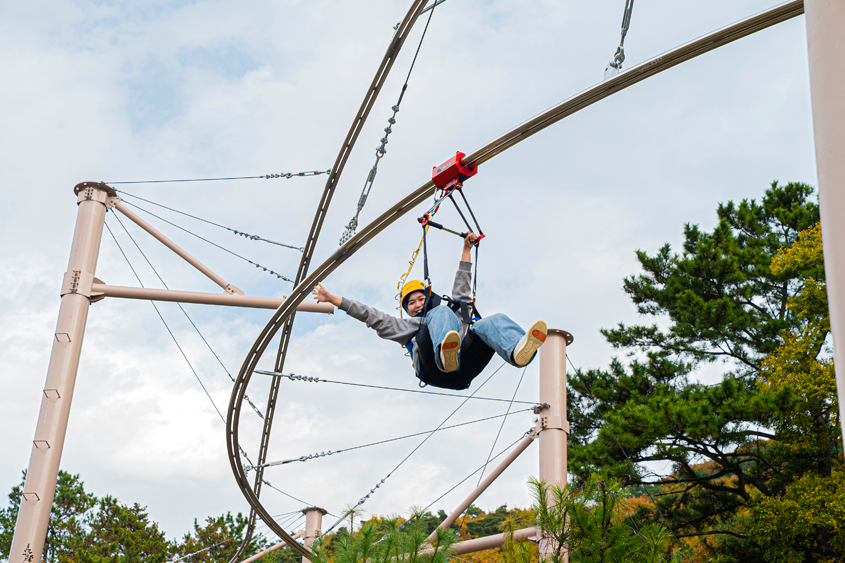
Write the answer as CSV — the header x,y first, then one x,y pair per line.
x,y
461,213
475,355
477,244
480,232
425,257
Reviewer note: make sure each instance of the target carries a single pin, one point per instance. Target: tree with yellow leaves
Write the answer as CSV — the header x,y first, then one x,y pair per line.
x,y
807,522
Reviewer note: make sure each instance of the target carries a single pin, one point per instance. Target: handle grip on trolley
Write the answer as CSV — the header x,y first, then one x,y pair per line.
x,y
442,228
437,225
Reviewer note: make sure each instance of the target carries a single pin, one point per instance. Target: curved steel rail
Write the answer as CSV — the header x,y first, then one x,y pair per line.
x,y
399,37
534,125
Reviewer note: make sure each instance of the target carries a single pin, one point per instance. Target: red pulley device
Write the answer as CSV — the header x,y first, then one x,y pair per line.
x,y
452,172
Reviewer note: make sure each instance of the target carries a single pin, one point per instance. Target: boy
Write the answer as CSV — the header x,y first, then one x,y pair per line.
x,y
445,326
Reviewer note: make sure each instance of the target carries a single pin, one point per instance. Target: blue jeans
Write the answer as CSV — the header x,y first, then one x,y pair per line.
x,y
498,331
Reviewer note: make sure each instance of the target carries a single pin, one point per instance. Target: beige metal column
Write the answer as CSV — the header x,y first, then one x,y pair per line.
x,y
34,515
484,484
826,49
313,525
553,424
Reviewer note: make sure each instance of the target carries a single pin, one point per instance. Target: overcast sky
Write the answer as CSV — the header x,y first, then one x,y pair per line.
x,y
158,90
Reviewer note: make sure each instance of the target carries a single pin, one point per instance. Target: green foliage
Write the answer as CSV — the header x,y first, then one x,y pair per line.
x,y
67,517
802,364
388,540
720,295
120,533
218,540
720,302
805,524
85,529
807,521
589,525
491,524
283,555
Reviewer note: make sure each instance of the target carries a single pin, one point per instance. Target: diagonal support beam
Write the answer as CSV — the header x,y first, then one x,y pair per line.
x,y
521,447
271,549
132,216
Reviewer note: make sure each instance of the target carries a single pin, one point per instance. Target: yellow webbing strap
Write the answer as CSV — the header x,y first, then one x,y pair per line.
x,y
403,278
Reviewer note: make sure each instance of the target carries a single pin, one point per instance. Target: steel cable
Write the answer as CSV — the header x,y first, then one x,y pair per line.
x,y
294,377
380,483
493,447
381,150
496,440
465,479
235,231
257,265
184,312
170,332
286,175
438,429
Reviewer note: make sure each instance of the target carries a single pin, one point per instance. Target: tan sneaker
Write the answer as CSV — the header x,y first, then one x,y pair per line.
x,y
449,349
530,343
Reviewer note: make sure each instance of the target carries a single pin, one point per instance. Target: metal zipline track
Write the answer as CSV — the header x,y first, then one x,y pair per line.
x,y
373,91
417,197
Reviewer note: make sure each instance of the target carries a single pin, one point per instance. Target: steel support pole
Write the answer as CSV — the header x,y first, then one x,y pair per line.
x,y
313,525
37,501
825,20
101,290
553,425
485,543
270,549
484,484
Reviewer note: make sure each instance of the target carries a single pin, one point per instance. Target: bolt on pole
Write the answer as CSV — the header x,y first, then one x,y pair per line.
x,y
552,423
825,20
37,500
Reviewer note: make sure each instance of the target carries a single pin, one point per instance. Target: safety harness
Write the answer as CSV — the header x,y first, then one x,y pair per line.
x,y
474,353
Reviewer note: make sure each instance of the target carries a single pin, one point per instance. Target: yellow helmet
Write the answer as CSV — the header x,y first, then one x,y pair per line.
x,y
409,288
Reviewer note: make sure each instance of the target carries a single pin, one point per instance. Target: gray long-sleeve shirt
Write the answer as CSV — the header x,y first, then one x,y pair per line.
x,y
402,330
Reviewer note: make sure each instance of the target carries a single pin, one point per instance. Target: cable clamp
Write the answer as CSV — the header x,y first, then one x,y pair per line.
x,y
547,422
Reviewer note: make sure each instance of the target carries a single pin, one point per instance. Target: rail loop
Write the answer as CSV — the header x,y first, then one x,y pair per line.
x,y
619,82
399,37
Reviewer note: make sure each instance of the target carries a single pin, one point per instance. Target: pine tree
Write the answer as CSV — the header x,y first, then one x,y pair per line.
x,y
120,533
716,302
71,504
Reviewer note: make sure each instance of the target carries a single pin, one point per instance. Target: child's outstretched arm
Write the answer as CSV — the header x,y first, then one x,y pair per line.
x,y
322,295
386,326
463,277
469,242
